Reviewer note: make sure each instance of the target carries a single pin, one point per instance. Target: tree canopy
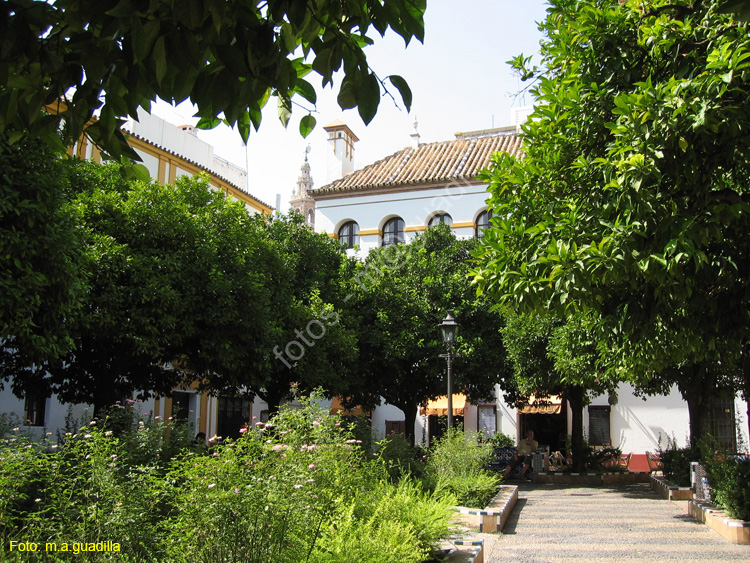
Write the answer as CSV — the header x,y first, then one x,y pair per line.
x,y
41,282
632,201
399,295
226,56
176,288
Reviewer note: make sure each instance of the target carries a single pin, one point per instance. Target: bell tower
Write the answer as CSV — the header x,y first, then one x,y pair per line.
x,y
301,202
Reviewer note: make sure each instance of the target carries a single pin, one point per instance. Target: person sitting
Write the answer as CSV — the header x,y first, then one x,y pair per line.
x,y
526,447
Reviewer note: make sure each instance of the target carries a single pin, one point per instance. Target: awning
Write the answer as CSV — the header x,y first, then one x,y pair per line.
x,y
440,406
546,405
338,408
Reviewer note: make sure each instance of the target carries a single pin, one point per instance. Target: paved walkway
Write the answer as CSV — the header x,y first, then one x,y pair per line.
x,y
554,523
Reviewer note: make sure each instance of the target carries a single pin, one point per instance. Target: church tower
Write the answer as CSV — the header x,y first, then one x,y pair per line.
x,y
301,201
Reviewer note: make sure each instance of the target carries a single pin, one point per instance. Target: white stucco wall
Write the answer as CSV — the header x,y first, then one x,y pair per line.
x,y
55,413
463,202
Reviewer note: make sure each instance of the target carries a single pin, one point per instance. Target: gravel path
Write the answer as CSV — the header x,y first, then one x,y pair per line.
x,y
554,523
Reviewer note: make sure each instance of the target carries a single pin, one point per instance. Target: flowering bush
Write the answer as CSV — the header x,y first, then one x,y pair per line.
x,y
297,489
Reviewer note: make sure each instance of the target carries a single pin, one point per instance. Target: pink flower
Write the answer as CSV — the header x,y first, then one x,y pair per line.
x,y
311,466
212,485
243,430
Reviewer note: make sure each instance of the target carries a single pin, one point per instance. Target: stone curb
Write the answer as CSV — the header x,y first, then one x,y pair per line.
x,y
736,531
495,515
669,491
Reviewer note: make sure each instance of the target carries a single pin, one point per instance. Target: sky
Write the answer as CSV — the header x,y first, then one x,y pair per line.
x,y
460,81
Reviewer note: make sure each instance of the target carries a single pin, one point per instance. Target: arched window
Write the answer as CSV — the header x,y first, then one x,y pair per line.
x,y
441,218
349,234
483,222
393,231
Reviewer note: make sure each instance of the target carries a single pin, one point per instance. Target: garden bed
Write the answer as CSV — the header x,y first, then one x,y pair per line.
x,y
670,491
463,551
591,479
736,531
494,516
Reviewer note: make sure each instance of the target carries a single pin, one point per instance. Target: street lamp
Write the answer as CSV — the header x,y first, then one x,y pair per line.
x,y
448,328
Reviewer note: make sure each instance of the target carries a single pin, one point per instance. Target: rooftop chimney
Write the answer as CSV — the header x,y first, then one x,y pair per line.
x,y
341,140
415,136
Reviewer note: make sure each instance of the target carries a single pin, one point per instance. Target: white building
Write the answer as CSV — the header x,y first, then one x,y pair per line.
x,y
403,194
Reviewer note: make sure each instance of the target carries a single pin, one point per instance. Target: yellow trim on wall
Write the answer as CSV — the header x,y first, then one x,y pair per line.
x,y
167,407
371,232
203,414
415,229
333,235
466,225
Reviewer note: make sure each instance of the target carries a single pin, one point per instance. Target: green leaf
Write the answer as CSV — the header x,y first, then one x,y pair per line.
x,y
160,59
285,110
306,90
348,95
403,89
306,125
124,9
243,125
369,98
208,122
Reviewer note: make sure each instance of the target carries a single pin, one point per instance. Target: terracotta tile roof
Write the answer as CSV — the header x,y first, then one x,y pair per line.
x,y
431,163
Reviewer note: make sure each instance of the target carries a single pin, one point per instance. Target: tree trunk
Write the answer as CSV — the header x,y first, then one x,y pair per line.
x,y
576,397
410,419
697,387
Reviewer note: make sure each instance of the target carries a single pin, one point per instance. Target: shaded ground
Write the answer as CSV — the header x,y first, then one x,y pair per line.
x,y
554,523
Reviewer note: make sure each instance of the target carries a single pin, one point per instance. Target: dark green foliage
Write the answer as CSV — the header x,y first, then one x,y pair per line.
x,y
400,457
729,478
41,282
631,201
227,56
398,296
500,440
603,459
676,463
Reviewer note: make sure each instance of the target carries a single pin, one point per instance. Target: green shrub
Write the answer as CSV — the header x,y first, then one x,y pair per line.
x,y
457,465
500,440
676,463
400,457
729,478
476,490
397,523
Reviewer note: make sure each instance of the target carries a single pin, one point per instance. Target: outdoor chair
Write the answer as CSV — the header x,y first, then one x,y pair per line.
x,y
625,460
654,462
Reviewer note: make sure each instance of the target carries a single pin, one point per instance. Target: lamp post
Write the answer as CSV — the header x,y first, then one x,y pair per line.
x,y
448,328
